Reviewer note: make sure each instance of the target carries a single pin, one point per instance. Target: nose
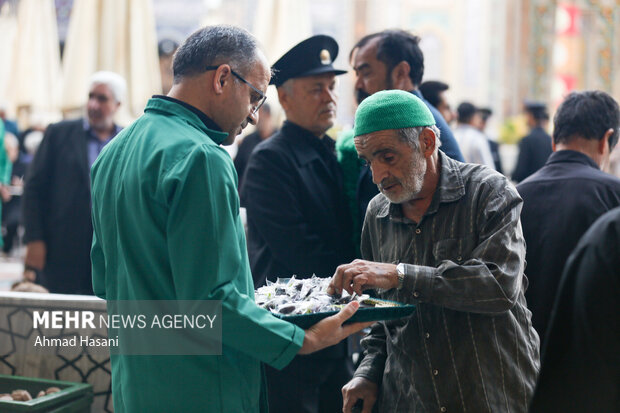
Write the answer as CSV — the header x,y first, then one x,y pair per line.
x,y
253,118
358,83
379,172
330,96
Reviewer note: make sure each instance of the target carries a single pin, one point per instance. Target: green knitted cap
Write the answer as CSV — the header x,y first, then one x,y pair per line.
x,y
391,109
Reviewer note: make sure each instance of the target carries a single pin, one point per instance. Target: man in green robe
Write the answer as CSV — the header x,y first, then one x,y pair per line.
x,y
167,227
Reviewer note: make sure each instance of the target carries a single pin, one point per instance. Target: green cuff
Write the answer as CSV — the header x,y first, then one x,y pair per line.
x,y
290,351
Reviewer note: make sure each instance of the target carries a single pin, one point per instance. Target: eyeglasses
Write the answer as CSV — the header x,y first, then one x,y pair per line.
x,y
256,102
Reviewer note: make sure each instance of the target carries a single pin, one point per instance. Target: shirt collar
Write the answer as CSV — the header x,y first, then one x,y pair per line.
x,y
567,155
450,188
91,133
209,123
175,107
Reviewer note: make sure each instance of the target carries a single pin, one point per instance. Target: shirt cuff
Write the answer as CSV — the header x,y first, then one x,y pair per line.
x,y
290,351
418,281
371,368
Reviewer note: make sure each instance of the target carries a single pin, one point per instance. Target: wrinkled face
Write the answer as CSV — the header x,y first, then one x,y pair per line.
x,y
241,99
371,74
397,168
101,107
310,102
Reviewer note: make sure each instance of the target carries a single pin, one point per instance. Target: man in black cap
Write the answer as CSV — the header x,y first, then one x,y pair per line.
x,y
297,214
535,148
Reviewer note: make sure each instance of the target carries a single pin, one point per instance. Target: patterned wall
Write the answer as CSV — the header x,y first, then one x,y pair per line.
x,y
17,356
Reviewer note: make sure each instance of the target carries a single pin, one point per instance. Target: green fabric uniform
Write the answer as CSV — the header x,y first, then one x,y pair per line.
x,y
167,227
5,167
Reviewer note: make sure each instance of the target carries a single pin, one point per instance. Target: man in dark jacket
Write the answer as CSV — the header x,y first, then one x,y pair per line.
x,y
568,194
535,148
579,370
56,200
297,214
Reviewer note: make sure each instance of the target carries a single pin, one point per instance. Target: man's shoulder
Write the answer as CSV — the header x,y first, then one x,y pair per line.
x,y
67,125
476,176
560,172
277,147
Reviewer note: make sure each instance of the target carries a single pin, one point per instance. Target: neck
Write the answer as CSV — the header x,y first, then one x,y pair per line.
x,y
318,134
189,93
588,147
104,134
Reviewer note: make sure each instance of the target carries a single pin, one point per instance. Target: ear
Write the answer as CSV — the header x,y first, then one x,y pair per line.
x,y
427,142
400,74
284,98
603,144
222,76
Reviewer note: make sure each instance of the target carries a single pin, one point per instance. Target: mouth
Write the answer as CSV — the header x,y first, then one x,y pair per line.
x,y
388,186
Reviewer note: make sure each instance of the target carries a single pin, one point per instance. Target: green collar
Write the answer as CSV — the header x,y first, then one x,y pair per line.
x,y
171,108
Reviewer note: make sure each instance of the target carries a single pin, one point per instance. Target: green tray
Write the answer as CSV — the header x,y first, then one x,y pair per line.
x,y
72,397
399,310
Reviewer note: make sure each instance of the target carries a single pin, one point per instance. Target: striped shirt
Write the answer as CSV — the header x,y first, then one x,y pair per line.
x,y
470,345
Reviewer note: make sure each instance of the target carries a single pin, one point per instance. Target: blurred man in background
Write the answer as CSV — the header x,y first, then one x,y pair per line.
x,y
435,93
56,202
473,143
534,148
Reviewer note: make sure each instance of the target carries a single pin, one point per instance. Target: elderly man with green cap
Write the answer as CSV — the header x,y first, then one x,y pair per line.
x,y
445,236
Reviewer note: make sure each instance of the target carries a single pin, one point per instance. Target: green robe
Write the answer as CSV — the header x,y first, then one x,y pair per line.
x,y
167,227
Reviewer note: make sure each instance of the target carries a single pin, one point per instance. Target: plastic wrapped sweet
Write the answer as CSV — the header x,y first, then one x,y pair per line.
x,y
292,296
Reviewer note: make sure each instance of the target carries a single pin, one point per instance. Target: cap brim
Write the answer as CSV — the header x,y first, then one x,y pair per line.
x,y
315,71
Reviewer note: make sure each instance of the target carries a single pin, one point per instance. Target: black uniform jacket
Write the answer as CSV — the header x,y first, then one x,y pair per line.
x,y
57,207
534,149
560,203
298,222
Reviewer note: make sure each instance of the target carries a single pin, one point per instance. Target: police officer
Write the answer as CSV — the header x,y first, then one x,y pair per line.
x,y
298,221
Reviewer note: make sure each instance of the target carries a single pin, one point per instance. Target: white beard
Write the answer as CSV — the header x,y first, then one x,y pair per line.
x,y
412,184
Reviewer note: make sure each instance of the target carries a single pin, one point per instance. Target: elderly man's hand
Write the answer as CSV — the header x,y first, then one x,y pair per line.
x,y
359,388
360,275
330,330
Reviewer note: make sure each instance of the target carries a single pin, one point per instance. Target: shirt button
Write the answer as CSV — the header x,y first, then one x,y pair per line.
x,y
443,409
418,231
435,372
416,294
459,258
427,335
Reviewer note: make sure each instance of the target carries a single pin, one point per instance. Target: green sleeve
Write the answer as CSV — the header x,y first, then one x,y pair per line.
x,y
5,164
208,255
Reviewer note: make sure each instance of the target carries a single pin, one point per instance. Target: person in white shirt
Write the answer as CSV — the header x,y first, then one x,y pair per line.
x,y
472,142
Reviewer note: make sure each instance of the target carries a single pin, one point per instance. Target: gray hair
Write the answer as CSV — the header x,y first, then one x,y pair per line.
x,y
412,136
212,46
114,81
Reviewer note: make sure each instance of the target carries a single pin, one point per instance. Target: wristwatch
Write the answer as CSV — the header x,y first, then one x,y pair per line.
x,y
400,270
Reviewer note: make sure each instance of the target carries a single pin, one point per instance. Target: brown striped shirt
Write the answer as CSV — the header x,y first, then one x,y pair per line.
x,y
470,345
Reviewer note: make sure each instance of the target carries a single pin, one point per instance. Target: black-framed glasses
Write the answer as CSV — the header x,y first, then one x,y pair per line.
x,y
262,98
